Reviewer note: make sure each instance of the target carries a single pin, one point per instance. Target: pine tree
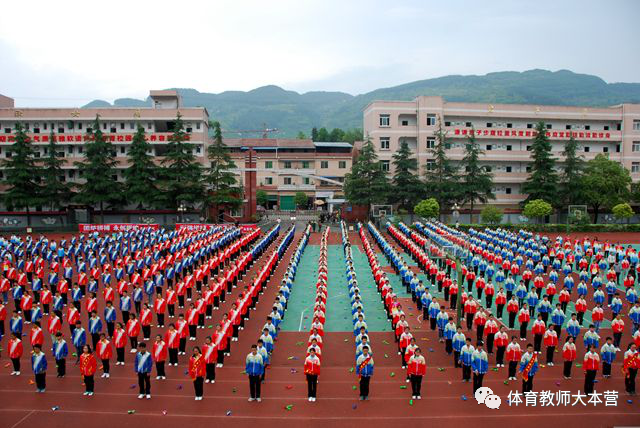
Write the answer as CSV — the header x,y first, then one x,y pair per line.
x,y
441,179
54,190
406,186
314,134
367,183
22,174
99,171
182,180
477,182
221,179
543,180
572,175
140,177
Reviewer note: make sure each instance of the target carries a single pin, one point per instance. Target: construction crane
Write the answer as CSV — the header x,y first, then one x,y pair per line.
x,y
264,131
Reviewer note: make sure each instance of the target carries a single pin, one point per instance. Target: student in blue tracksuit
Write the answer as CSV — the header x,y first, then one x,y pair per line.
x,y
39,366
60,351
144,362
254,367
466,355
457,342
528,368
480,365
607,355
364,369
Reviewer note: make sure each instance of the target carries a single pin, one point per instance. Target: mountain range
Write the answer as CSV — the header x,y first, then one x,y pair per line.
x,y
291,112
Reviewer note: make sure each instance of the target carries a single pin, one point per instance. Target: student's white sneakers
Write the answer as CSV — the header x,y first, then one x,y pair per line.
x,y
250,399
133,351
206,381
140,397
148,396
258,399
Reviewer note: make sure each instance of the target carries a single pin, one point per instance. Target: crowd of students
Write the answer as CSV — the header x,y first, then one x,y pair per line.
x,y
194,269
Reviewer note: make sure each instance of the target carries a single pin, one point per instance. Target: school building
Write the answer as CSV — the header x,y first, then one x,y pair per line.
x,y
505,133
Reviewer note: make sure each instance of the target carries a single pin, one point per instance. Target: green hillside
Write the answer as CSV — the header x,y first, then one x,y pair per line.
x,y
291,112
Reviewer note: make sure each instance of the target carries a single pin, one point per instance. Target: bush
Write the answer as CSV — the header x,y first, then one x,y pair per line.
x,y
559,228
491,215
262,198
622,211
427,208
302,200
537,209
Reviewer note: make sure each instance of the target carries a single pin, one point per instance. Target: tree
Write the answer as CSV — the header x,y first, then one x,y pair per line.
x,y
262,198
314,134
98,170
22,174
477,182
605,183
301,136
537,209
623,211
406,187
573,168
336,134
181,175
54,190
491,215
543,181
366,184
352,135
222,181
323,135
301,199
428,208
440,175
140,177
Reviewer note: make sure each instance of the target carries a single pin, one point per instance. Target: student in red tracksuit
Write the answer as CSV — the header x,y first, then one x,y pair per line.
x,y
15,353
538,330
160,306
172,339
591,364
312,371
523,319
104,352
512,309
210,354
416,369
119,342
569,354
221,340
192,321
88,367
159,354
197,372
182,327
501,340
133,330
145,321
551,342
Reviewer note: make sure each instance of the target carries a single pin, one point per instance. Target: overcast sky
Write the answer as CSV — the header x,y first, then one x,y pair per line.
x,y
66,53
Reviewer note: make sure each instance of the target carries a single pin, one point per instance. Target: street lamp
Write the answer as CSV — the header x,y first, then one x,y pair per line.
x,y
181,210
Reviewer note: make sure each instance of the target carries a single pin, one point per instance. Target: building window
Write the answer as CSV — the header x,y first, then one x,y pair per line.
x,y
528,169
489,147
79,126
487,168
587,127
447,123
587,149
617,148
405,123
132,125
605,149
268,164
508,169
507,190
287,180
635,166
618,127
287,164
509,147
529,125
528,148
324,164
431,143
606,127
198,125
149,126
384,143
305,164
431,120
70,149
385,120
430,165
342,164
467,124
385,165
509,125
306,180
489,124
7,130
567,127
549,126
122,150
268,181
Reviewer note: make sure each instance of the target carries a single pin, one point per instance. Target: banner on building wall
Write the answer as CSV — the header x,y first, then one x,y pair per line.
x,y
195,226
115,227
516,133
77,138
248,227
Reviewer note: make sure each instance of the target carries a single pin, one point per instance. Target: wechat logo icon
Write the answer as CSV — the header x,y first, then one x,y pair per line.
x,y
486,396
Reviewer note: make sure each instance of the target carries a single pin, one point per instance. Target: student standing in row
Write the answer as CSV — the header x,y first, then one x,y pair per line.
x,y
143,365
254,368
312,371
417,369
364,369
60,351
39,366
197,372
88,366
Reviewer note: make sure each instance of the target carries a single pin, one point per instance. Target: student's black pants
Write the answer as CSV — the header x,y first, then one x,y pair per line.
x,y
211,371
630,381
16,364
254,386
567,368
62,367
512,319
527,385
477,381
606,369
120,355
416,384
523,330
364,386
466,372
144,382
512,368
500,354
589,381
173,355
41,380
198,386
550,352
312,385
160,368
88,383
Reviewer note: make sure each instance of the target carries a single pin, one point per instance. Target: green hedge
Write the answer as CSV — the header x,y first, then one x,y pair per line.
x,y
560,228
